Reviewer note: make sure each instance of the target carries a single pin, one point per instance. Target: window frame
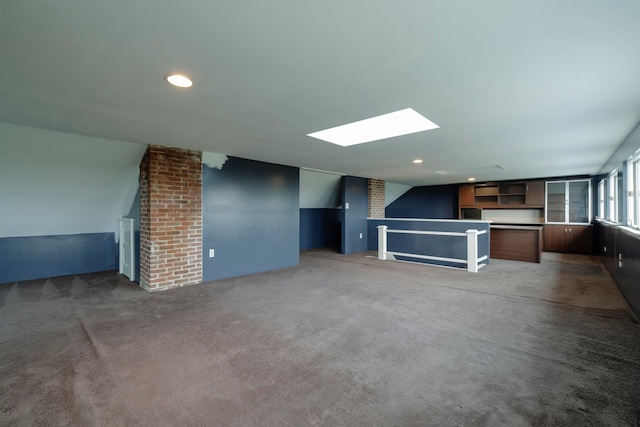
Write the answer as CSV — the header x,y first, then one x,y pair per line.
x,y
602,195
633,190
612,196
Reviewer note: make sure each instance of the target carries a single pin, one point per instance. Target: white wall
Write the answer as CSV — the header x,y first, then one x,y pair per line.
x,y
58,183
319,189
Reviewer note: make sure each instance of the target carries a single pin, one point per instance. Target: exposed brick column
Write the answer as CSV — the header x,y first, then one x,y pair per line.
x,y
376,198
170,218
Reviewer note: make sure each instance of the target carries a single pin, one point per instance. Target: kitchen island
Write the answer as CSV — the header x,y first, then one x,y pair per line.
x,y
516,242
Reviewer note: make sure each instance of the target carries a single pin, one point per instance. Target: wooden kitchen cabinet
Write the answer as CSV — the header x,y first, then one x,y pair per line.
x,y
568,202
534,195
504,194
466,195
568,238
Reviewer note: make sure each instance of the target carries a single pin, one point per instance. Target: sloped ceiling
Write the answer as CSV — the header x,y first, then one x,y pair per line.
x,y
539,88
56,183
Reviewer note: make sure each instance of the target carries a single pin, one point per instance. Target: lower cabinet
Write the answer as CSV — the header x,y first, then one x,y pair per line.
x,y
568,238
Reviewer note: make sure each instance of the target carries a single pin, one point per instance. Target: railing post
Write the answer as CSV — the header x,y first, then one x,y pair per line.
x,y
382,242
472,251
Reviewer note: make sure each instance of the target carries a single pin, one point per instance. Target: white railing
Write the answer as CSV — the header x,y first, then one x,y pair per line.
x,y
473,262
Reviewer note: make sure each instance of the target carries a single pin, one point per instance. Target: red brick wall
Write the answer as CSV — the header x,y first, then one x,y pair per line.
x,y
170,218
376,198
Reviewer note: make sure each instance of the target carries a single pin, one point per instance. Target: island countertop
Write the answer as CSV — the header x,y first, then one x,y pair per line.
x,y
516,242
517,226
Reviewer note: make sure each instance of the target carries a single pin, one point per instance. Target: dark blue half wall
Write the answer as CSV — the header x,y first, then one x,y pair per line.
x,y
355,208
439,246
250,218
320,228
433,202
37,257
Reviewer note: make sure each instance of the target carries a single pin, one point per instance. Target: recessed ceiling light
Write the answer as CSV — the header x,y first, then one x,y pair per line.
x,y
417,161
472,179
398,123
179,80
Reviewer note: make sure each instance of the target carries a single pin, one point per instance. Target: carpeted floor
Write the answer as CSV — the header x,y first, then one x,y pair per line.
x,y
337,341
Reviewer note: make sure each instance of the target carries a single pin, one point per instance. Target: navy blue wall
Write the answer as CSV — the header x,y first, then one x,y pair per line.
x,y
37,257
320,228
431,202
250,217
440,246
355,192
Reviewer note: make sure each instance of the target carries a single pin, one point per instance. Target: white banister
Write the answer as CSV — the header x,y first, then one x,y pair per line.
x,y
472,251
382,242
473,262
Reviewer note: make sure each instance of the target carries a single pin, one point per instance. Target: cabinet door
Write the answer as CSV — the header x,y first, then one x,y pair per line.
x,y
556,201
534,193
578,201
555,238
568,238
568,201
579,239
465,195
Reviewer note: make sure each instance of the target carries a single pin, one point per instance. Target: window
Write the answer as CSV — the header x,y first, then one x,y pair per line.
x,y
612,214
633,190
601,197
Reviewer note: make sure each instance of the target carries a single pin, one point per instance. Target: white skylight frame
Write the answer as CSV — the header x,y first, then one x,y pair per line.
x,y
403,122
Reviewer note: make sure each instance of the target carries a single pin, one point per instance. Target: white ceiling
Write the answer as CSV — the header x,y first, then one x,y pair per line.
x,y
541,88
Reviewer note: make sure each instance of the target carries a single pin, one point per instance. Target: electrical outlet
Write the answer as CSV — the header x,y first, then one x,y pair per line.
x,y
361,235
605,249
346,205
212,253
620,259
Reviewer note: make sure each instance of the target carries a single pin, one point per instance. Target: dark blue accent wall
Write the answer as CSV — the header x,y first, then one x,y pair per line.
x,y
355,193
37,257
430,202
250,217
320,228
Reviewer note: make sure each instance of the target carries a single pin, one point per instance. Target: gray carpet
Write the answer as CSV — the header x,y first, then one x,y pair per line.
x,y
337,341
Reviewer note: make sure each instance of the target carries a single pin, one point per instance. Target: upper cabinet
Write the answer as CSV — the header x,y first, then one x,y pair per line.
x,y
527,194
568,202
534,195
465,195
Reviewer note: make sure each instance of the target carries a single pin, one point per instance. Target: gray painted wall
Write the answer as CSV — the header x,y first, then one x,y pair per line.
x,y
55,183
319,190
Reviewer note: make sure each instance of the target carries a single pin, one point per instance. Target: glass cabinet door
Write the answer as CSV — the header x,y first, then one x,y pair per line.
x,y
579,201
568,201
556,201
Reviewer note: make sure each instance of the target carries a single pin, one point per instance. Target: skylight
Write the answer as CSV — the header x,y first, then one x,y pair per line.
x,y
398,123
